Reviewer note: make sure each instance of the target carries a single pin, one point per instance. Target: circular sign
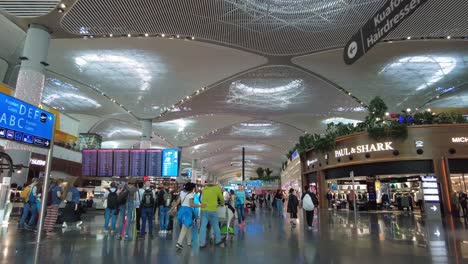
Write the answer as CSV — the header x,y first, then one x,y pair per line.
x,y
352,49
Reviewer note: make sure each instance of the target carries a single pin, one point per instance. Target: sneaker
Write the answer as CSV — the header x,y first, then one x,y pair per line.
x,y
79,223
119,238
309,228
169,232
179,246
64,225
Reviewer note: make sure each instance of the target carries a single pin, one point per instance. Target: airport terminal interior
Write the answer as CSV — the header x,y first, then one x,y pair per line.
x,y
233,131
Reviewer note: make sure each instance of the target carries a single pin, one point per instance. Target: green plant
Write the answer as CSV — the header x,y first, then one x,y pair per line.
x,y
377,132
377,108
398,131
260,172
424,118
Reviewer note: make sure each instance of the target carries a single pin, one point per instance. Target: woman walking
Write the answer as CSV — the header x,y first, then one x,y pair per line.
x,y
240,206
185,216
293,202
279,202
71,213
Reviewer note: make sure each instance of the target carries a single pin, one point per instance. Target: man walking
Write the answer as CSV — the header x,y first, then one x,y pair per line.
x,y
211,195
309,203
146,207
164,201
30,205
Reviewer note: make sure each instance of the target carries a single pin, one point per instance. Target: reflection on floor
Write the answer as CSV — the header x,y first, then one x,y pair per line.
x,y
337,238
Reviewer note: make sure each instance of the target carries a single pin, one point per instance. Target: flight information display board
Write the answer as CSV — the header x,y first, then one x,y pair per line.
x,y
170,163
153,162
121,162
89,162
137,162
105,163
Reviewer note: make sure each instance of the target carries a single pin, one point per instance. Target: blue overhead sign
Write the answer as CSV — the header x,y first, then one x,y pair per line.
x,y
170,163
25,123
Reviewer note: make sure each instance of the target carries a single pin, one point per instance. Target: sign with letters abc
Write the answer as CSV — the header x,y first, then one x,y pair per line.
x,y
25,123
378,27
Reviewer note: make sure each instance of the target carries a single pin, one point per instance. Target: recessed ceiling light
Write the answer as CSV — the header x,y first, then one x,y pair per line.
x,y
408,110
111,35
60,10
178,36
429,110
91,36
193,38
448,37
408,38
437,97
146,34
62,5
129,35
349,93
163,35
387,114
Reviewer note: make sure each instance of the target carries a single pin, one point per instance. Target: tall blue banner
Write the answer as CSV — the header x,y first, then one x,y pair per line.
x,y
170,163
25,123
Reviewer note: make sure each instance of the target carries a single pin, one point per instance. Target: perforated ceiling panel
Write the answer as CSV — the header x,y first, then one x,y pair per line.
x,y
28,8
267,26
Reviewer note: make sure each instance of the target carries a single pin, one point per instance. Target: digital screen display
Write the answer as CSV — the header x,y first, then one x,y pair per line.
x,y
170,163
153,162
25,123
105,162
121,162
89,162
137,162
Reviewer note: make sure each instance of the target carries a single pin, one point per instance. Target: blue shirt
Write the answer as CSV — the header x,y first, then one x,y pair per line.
x,y
240,197
55,199
76,195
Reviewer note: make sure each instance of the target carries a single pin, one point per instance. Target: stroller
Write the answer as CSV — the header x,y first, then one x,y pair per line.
x,y
226,219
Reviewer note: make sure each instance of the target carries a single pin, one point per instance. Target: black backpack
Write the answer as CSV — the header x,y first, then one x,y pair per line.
x,y
148,199
122,197
315,200
112,200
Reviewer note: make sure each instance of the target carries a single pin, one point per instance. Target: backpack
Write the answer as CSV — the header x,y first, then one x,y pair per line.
x,y
112,200
25,193
148,199
167,198
122,198
69,197
307,203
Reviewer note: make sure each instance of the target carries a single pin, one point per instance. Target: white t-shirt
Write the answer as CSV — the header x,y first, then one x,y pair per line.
x,y
185,198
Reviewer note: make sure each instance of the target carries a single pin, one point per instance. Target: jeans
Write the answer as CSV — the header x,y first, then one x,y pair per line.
x,y
146,215
29,208
163,217
138,217
240,213
130,216
122,212
212,218
279,206
110,213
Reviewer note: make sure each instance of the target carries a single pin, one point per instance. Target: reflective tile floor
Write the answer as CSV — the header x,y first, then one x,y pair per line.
x,y
337,238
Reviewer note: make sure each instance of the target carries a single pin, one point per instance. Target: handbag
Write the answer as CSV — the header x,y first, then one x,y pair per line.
x,y
173,210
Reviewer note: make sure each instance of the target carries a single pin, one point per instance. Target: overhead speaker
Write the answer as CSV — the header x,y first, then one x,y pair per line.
x,y
339,159
367,155
452,151
396,152
419,151
351,157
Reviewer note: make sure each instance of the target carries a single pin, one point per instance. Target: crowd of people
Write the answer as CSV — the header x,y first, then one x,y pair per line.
x,y
132,208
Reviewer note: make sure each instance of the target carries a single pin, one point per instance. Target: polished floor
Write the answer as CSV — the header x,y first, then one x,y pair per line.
x,y
338,237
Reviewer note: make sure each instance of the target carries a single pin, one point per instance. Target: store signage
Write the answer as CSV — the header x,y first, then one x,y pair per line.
x,y
37,162
294,155
309,162
378,27
363,149
460,139
419,143
25,123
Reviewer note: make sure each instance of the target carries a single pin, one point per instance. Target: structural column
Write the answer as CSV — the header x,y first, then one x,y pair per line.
x,y
147,131
29,88
443,178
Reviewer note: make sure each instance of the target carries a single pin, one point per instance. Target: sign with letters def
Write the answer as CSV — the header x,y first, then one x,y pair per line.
x,y
25,123
378,27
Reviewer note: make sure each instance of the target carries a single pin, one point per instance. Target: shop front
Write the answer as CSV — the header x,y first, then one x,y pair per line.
x,y
291,175
425,170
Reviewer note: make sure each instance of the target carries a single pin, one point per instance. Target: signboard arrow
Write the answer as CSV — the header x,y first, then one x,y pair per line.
x,y
46,143
434,208
378,27
437,233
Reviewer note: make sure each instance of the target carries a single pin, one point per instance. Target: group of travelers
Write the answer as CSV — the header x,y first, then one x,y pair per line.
x,y
58,194
137,205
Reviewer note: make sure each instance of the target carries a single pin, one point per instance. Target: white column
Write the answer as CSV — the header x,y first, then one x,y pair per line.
x,y
29,88
147,131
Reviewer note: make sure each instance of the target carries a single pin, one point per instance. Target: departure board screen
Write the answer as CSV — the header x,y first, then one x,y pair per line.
x,y
153,162
137,162
105,162
121,162
170,163
89,162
